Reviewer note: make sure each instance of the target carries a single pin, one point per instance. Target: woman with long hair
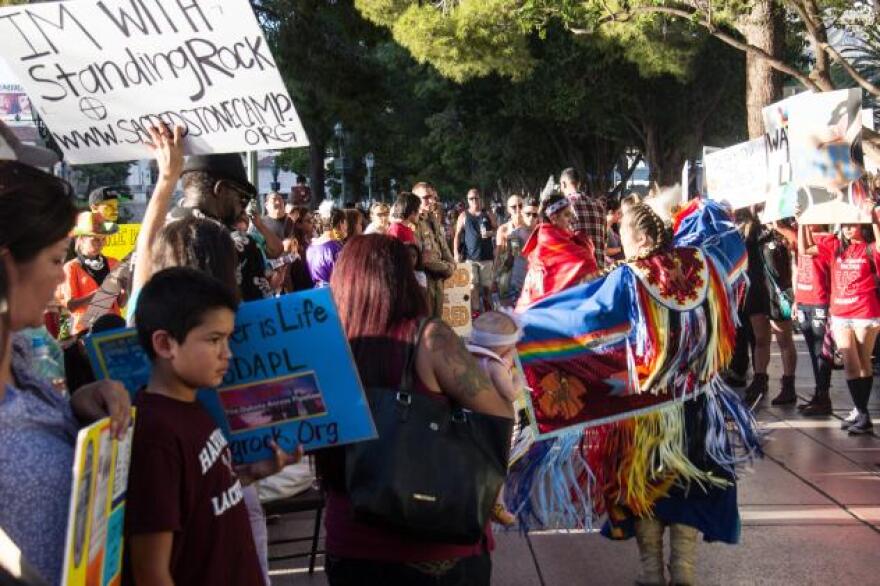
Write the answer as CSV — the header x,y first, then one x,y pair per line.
x,y
855,306
705,509
323,251
768,308
38,426
381,317
557,257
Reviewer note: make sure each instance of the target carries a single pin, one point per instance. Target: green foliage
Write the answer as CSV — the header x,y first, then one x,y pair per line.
x,y
472,38
101,174
293,160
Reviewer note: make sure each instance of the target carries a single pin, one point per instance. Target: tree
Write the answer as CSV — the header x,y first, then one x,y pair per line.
x,y
323,49
102,174
751,26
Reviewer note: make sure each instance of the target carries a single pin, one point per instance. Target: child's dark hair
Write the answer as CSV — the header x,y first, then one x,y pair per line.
x,y
175,300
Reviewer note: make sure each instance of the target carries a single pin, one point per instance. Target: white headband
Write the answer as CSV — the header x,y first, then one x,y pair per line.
x,y
492,340
557,207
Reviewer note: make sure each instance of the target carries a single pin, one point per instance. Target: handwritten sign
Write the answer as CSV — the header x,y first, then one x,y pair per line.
x,y
291,378
93,550
121,244
100,72
457,291
738,174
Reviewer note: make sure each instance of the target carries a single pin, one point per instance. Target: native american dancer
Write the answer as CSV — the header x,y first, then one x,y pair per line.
x,y
631,417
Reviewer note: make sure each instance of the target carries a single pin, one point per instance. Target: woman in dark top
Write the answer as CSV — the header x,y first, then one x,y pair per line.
x,y
381,317
768,306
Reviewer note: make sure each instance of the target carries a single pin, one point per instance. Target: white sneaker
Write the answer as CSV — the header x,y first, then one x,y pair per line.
x,y
850,419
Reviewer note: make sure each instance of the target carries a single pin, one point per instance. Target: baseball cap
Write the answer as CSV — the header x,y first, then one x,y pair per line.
x,y
102,194
12,149
226,166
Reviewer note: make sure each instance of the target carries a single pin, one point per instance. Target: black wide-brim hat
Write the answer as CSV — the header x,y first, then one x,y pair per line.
x,y
225,166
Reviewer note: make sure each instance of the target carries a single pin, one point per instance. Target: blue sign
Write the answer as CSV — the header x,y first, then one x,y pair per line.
x,y
292,378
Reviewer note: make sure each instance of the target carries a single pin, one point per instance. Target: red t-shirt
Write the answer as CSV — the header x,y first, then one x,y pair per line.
x,y
182,481
853,287
813,285
402,232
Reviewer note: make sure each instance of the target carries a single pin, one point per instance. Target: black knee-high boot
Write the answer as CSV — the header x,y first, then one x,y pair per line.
x,y
862,423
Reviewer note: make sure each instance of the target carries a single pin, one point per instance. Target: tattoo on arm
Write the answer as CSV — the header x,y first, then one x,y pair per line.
x,y
460,365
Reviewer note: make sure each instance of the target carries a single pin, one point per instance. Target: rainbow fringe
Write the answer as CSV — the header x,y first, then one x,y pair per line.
x,y
570,480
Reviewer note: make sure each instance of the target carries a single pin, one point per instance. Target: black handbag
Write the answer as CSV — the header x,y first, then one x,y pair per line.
x,y
435,470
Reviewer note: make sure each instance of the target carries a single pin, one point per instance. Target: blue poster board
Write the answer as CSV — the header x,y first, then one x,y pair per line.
x,y
292,378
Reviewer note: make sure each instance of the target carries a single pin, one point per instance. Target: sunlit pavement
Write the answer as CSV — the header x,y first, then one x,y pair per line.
x,y
810,511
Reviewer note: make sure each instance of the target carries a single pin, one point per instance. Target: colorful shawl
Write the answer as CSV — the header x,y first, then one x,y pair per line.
x,y
557,260
610,365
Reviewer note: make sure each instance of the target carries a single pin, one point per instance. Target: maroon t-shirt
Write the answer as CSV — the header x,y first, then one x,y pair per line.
x,y
182,481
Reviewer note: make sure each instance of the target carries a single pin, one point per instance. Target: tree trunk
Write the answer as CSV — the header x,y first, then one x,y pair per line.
x,y
316,171
763,28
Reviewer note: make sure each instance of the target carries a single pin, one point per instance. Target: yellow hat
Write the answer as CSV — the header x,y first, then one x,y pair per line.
x,y
93,224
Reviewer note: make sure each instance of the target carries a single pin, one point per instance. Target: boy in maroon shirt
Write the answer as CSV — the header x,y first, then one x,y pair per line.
x,y
186,522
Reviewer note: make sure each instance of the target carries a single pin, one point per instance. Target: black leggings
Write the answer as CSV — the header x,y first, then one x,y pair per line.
x,y
813,323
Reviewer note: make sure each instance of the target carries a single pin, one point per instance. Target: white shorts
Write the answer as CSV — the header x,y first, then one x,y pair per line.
x,y
854,323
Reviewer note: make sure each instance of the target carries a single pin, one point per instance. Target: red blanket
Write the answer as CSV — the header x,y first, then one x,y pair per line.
x,y
558,260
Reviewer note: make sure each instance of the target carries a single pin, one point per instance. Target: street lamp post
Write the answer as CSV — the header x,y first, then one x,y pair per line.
x,y
340,136
369,161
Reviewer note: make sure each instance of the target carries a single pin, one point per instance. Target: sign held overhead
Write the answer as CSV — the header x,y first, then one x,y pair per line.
x,y
100,72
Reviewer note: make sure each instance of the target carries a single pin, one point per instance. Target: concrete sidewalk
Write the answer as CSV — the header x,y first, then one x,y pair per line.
x,y
810,512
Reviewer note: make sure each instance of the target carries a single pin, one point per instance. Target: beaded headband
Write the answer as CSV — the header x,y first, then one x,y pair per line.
x,y
557,207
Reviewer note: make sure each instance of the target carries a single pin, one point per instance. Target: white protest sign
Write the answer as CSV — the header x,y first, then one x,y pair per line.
x,y
822,128
738,174
99,72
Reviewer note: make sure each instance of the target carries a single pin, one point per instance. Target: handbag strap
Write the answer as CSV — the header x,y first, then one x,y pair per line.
x,y
406,381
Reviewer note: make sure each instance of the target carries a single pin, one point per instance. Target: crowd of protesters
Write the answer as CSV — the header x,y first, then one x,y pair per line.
x,y
197,259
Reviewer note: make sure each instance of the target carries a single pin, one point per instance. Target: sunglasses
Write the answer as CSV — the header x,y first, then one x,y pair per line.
x,y
244,196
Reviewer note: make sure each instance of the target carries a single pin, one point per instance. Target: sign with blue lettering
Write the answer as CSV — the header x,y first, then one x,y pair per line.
x,y
291,378
101,72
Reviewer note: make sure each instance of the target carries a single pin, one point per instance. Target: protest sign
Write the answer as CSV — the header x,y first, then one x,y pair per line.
x,y
121,244
93,549
99,73
738,174
822,129
457,291
291,378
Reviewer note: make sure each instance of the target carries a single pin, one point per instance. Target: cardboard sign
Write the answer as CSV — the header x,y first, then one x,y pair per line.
x,y
100,72
93,549
291,379
457,291
121,244
738,174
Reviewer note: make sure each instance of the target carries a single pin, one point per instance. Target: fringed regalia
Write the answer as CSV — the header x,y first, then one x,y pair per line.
x,y
628,410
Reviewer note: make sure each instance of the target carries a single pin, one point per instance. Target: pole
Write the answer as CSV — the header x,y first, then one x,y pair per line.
x,y
253,170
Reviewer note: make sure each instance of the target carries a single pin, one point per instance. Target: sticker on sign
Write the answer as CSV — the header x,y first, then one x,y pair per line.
x,y
101,72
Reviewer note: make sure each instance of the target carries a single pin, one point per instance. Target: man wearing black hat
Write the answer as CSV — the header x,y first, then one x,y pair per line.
x,y
217,187
105,201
